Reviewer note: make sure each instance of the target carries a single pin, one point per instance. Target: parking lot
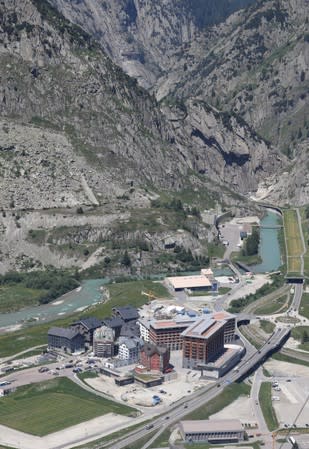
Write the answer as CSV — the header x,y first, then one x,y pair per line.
x,y
294,389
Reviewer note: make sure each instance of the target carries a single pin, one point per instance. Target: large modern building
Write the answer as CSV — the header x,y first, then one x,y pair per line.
x,y
155,358
86,327
203,341
229,326
212,431
168,332
103,342
67,340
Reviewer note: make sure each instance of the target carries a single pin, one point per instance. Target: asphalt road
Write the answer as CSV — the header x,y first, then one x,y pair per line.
x,y
204,395
297,297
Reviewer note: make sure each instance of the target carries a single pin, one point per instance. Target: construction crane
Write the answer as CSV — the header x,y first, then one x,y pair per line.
x,y
149,294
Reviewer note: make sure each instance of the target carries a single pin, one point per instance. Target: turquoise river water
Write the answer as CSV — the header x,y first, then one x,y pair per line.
x,y
90,293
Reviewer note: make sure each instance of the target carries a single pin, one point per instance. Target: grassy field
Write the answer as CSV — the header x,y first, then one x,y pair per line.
x,y
267,326
271,307
305,227
266,406
140,443
119,434
229,395
293,239
15,297
162,440
294,265
120,295
304,305
46,400
301,333
289,359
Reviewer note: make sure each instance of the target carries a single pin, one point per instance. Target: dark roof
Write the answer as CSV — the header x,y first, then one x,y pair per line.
x,y
130,329
151,349
63,332
131,343
89,322
127,312
113,322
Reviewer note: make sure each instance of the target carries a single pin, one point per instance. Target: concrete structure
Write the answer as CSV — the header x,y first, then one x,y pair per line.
x,y
203,341
129,349
126,313
68,340
227,360
212,431
103,342
86,327
168,332
155,358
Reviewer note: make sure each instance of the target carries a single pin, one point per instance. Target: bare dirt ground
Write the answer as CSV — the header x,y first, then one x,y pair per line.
x,y
240,409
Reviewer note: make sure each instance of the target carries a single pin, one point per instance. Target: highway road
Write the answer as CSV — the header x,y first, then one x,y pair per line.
x,y
204,395
298,291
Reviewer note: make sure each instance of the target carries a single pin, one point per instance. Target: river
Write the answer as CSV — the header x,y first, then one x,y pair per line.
x,y
75,301
90,293
269,248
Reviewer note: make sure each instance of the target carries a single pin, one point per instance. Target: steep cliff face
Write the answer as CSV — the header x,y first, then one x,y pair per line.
x,y
256,65
54,77
143,36
104,131
253,63
77,132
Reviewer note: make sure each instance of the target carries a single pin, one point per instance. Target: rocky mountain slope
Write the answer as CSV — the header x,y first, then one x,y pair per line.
x,y
80,137
142,36
254,64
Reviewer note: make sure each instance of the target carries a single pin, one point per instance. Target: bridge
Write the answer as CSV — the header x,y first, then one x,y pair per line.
x,y
243,266
258,225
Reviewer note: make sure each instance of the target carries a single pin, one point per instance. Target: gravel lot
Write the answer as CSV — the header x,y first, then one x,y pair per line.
x,y
293,381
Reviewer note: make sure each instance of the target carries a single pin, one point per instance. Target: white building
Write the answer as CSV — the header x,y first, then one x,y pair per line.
x,y
129,349
144,329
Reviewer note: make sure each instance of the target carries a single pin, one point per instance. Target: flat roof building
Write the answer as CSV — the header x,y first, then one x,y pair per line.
x,y
196,282
203,341
212,431
168,332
